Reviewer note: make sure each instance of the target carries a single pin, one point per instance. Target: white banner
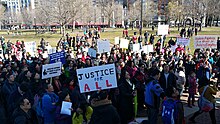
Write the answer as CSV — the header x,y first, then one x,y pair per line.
x,y
124,43
116,40
183,41
103,46
51,70
136,47
96,78
163,29
208,41
30,47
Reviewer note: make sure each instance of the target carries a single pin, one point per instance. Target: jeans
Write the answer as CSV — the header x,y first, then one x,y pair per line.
x,y
152,115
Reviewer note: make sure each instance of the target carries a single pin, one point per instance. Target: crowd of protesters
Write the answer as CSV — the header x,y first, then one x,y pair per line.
x,y
149,76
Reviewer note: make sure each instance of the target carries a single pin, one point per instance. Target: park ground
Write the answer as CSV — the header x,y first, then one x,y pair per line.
x,y
109,33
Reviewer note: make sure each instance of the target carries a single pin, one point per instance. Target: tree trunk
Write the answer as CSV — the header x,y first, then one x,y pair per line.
x,y
63,30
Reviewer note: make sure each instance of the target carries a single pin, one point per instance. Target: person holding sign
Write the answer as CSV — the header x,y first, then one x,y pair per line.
x,y
60,117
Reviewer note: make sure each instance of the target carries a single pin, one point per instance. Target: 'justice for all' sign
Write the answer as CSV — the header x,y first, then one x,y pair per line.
x,y
97,78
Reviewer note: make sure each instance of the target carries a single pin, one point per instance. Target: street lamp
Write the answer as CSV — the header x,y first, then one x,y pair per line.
x,y
35,27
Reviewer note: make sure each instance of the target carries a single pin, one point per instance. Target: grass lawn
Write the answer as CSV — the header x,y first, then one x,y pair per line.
x,y
29,35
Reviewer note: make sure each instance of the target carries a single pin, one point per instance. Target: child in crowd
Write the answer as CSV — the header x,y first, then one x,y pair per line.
x,y
172,112
192,89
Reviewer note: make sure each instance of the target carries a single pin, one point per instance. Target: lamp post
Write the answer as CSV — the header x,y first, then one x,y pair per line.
x,y
142,1
35,26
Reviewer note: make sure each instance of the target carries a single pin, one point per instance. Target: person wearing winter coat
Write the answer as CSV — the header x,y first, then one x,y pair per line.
x,y
181,80
103,110
24,114
49,101
209,95
126,96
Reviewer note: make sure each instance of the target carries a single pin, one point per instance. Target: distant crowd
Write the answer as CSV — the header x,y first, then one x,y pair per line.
x,y
154,81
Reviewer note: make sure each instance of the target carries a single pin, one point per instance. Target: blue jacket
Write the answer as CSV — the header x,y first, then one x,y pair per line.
x,y
153,92
49,110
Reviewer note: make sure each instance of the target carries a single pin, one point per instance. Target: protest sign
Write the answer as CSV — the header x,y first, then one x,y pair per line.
x,y
66,108
92,52
52,50
58,57
30,47
136,47
124,43
163,29
96,78
116,40
51,70
103,46
204,41
148,48
183,41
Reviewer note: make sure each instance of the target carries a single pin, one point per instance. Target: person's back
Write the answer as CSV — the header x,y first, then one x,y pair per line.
x,y
172,109
103,110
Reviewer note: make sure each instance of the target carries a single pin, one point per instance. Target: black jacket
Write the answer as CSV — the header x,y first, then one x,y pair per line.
x,y
104,114
21,117
171,81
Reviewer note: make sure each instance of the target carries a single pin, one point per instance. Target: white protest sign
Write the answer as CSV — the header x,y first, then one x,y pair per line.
x,y
103,46
51,70
52,50
96,78
183,41
124,43
136,47
66,108
163,29
116,40
30,47
148,48
204,41
92,52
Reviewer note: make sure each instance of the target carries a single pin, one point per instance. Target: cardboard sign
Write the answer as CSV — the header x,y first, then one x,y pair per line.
x,y
183,41
208,41
30,47
136,47
116,40
58,57
51,70
124,43
92,52
96,78
103,46
163,29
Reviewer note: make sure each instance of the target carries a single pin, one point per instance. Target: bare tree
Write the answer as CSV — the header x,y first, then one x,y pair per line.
x,y
60,11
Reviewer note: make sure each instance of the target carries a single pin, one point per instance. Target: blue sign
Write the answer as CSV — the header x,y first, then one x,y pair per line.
x,y
58,57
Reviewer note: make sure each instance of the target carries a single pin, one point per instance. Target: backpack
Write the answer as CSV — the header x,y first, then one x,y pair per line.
x,y
169,112
38,105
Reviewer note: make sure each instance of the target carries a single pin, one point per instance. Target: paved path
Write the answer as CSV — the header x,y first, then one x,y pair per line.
x,y
204,118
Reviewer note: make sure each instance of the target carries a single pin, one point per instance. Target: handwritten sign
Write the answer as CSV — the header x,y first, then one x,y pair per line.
x,y
183,41
96,78
208,41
